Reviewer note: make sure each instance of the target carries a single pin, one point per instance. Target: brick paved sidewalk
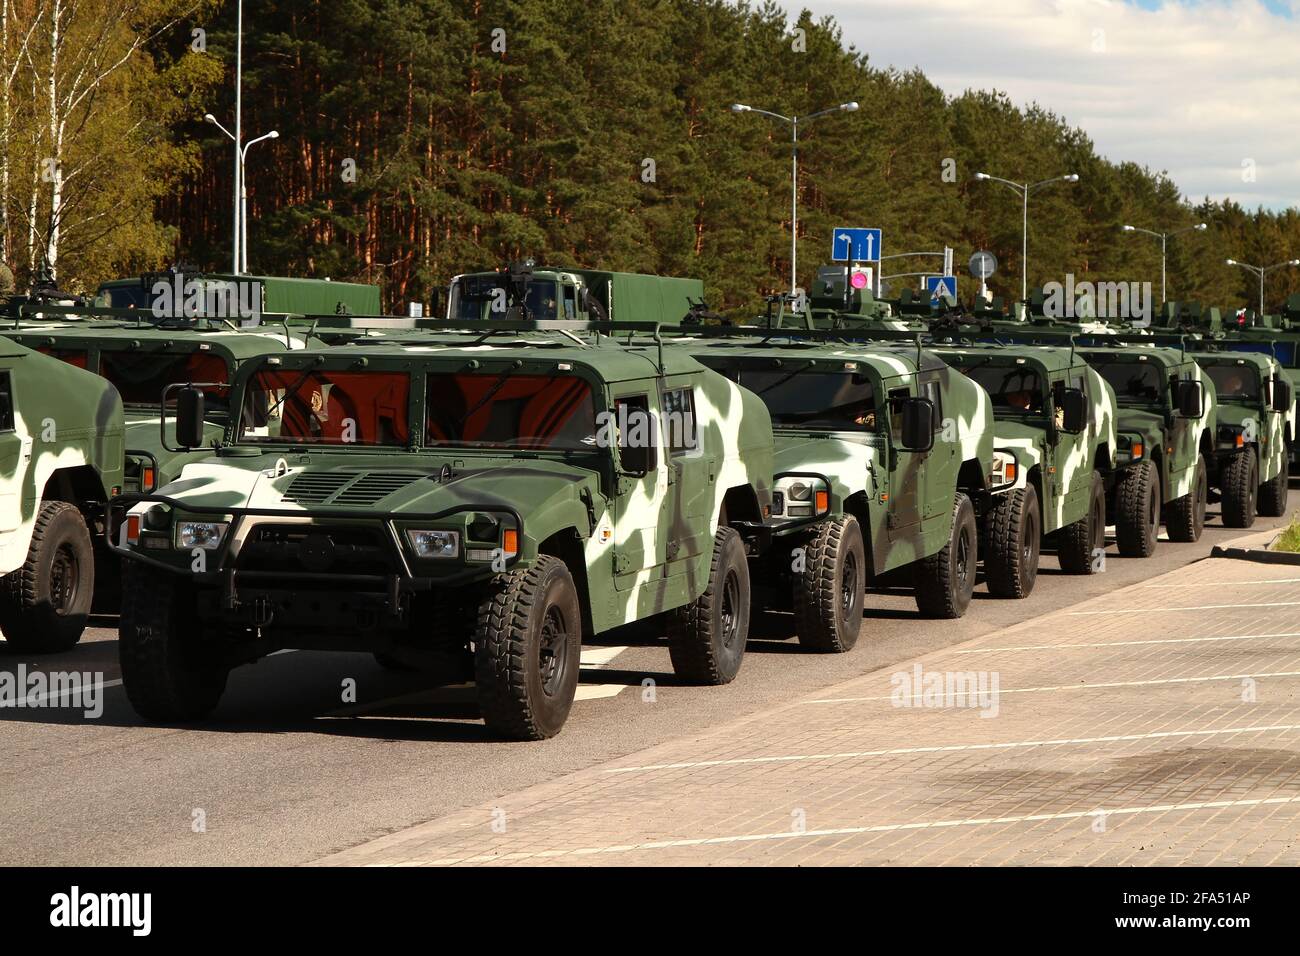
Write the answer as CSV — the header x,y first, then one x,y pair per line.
x,y
1157,725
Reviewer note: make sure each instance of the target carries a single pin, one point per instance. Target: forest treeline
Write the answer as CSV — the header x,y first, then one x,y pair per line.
x,y
420,138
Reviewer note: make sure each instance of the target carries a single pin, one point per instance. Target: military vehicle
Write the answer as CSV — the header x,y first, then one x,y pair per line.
x,y
140,357
887,450
1256,414
525,292
1166,432
257,294
61,439
1055,441
483,506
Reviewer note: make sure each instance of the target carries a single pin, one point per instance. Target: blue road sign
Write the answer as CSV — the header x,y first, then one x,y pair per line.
x,y
855,245
938,285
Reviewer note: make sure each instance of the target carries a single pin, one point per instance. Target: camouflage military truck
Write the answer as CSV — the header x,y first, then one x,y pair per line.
x,y
1256,413
1054,443
540,293
480,506
61,436
1166,431
883,460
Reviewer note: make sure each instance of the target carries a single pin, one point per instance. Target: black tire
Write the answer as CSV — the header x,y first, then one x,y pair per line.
x,y
527,650
1013,532
829,594
945,580
1137,510
1186,517
1078,541
166,671
1240,487
45,603
1273,495
706,638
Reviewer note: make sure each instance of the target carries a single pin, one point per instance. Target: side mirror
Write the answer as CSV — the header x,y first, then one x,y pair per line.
x,y
637,460
1189,399
917,425
1281,394
1074,411
189,418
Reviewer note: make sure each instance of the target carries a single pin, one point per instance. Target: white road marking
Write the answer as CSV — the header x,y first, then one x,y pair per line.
x,y
850,831
1201,584
1033,690
1162,640
1166,610
955,748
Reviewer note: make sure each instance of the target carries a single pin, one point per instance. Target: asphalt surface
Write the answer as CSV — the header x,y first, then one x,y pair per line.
x,y
287,771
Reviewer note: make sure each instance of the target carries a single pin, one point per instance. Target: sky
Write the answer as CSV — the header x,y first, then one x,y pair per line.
x,y
1208,91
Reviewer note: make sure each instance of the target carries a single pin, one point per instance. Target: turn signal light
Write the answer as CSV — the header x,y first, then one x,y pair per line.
x,y
133,528
1241,440
1138,449
823,501
510,542
146,480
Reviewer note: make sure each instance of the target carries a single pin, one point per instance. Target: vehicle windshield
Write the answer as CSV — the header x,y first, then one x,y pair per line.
x,y
1133,382
1012,388
472,298
1234,383
140,377
134,296
319,407
820,401
486,410
77,357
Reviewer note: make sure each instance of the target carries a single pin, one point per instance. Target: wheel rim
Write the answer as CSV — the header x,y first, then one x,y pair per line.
x,y
64,579
1154,516
730,609
1029,547
964,562
849,586
553,650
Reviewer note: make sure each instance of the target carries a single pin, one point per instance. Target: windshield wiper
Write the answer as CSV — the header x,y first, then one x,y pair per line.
x,y
781,381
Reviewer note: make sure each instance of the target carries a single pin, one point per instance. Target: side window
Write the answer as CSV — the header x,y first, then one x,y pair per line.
x,y
570,302
6,403
679,420
895,410
637,435
935,395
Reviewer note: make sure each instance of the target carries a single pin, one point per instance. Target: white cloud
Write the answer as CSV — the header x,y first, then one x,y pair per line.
x,y
1192,88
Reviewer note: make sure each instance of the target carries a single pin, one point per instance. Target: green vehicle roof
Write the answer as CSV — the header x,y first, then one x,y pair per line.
x,y
232,344
1048,358
292,294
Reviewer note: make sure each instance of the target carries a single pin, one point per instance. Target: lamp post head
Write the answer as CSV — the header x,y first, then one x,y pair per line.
x,y
209,118
1072,178
1127,228
274,134
1200,227
739,108
850,106
1294,262
981,175
1230,262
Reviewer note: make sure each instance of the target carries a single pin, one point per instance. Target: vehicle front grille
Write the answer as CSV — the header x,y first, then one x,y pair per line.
x,y
298,549
344,488
374,487
313,487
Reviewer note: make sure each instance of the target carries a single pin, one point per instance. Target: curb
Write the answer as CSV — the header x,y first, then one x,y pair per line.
x,y
1259,555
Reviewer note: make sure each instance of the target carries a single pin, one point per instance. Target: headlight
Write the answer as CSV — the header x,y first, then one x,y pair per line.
x,y
798,491
1004,468
434,544
200,534
800,499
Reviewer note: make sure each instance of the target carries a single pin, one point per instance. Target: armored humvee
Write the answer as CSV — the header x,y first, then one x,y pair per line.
x,y
483,505
889,453
61,437
1166,432
1256,416
1055,440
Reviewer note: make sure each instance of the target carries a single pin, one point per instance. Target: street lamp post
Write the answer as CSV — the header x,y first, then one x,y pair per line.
x,y
1261,271
1025,189
794,122
241,206
1164,237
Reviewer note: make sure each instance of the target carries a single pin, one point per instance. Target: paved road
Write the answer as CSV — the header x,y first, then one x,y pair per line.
x,y
287,772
